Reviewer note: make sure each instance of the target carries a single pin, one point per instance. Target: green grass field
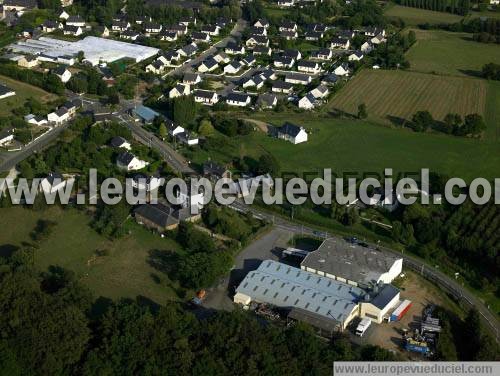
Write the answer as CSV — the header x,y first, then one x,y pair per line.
x,y
123,272
415,16
23,92
400,94
450,53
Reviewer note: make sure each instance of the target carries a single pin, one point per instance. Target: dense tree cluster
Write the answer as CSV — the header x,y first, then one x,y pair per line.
x,y
391,54
491,71
471,126
363,13
229,222
461,7
48,82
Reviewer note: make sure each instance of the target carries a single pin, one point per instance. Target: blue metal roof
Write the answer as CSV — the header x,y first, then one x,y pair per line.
x,y
285,286
146,113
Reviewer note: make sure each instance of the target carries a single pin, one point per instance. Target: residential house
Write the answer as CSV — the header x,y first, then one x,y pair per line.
x,y
191,78
261,22
221,58
233,48
324,54
178,29
35,120
256,81
249,60
63,74
320,92
72,30
261,50
6,136
188,50
307,102
130,35
156,67
341,70
173,129
200,37
75,21
298,78
206,97
294,54
168,36
254,30
152,27
308,66
130,162
288,26
286,3
222,22
257,40
378,39
212,30
50,26
372,31
18,5
179,90
187,138
238,99
282,87
59,116
341,43
120,25
186,21
355,56
63,15
233,67
28,61
101,31
208,65
267,100
313,35
346,34
162,217
215,171
330,79
120,142
142,19
289,35
147,183
168,56
366,47
283,62
269,74
292,133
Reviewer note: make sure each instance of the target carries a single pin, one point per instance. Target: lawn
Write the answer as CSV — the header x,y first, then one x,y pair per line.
x,y
415,16
450,53
23,92
399,94
122,272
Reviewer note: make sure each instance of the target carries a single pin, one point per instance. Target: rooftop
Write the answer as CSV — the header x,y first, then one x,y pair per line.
x,y
350,261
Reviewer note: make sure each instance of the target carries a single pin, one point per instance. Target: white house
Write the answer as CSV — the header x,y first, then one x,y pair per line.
x,y
308,67
212,30
324,54
282,87
191,79
341,43
261,22
63,15
179,90
6,136
168,36
234,49
366,47
152,28
307,102
320,92
288,26
72,30
208,65
120,142
267,100
130,162
221,58
355,56
238,99
256,81
120,26
75,21
206,97
49,26
292,133
35,120
200,37
341,70
156,67
59,116
283,62
174,129
6,92
257,40
233,67
63,74
298,79
286,3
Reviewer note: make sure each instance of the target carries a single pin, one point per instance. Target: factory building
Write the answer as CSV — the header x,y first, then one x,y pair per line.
x,y
352,263
307,295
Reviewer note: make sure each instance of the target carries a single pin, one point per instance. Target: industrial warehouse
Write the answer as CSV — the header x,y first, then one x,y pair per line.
x,y
95,50
352,263
353,282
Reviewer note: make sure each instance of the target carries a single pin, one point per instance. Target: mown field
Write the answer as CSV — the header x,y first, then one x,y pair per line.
x,y
415,16
399,94
450,53
23,92
123,271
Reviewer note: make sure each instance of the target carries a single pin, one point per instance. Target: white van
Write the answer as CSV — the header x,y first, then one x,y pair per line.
x,y
363,326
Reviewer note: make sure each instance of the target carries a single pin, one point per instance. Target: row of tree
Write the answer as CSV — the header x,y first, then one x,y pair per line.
x,y
471,125
49,82
461,7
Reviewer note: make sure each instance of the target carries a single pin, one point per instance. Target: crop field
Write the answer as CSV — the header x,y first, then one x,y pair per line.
x,y
399,94
23,92
450,53
415,16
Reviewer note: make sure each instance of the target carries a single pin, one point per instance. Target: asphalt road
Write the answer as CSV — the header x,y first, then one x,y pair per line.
x,y
235,33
